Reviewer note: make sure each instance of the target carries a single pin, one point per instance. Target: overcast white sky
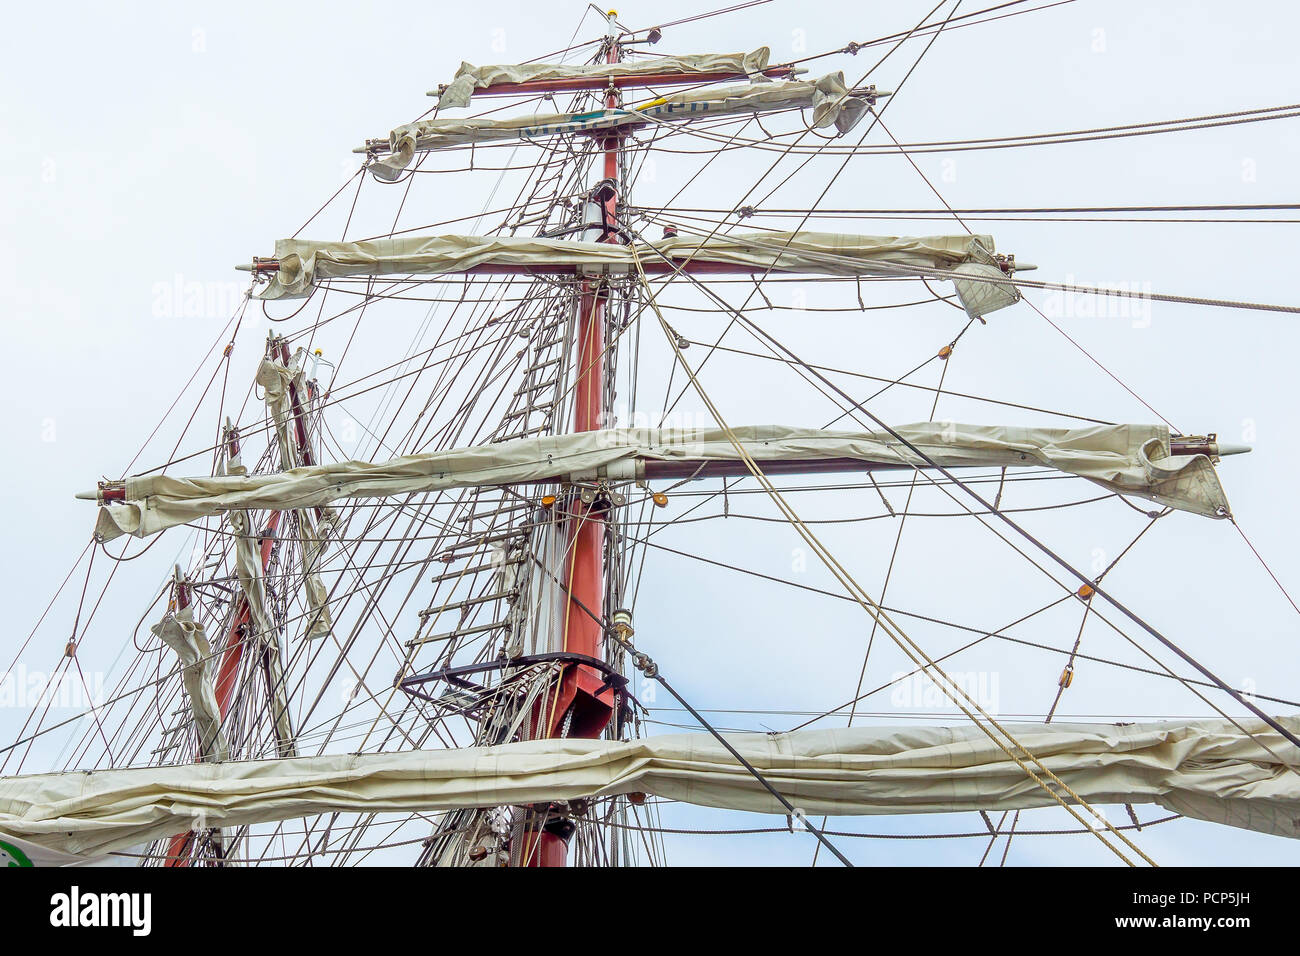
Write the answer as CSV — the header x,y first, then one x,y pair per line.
x,y
147,145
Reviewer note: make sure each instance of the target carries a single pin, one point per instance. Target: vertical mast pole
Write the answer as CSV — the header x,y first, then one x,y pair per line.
x,y
582,708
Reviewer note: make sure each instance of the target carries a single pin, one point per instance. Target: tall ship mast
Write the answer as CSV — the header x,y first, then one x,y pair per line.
x,y
407,621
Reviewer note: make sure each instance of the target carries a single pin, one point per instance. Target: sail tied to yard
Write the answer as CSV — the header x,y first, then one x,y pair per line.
x,y
470,79
982,280
1214,770
179,631
1126,459
831,102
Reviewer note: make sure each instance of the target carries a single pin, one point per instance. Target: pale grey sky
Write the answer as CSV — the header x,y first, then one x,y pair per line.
x,y
150,146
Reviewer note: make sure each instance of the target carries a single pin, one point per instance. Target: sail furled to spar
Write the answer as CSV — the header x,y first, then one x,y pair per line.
x,y
1127,459
1214,770
982,285
828,97
179,631
277,379
470,79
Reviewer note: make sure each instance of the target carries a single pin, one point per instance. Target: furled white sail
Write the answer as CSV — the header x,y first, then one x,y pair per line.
x,y
275,379
304,262
248,571
828,97
1209,770
1128,459
470,78
179,631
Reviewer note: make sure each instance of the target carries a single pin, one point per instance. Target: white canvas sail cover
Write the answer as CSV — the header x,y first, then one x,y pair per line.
x,y
275,378
181,633
305,262
248,570
1208,770
828,97
470,78
1128,459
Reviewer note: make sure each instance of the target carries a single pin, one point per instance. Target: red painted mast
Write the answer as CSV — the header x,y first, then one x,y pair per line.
x,y
581,708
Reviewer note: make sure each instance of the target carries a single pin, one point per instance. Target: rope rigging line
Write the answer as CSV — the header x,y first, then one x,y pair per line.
x,y
706,357
1242,699
977,211
909,647
699,130
1095,586
750,831
912,272
757,282
652,671
425,561
898,539
953,23
1264,564
677,268
1065,565
899,382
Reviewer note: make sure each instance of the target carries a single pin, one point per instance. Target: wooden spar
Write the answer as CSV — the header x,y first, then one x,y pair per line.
x,y
651,469
652,266
714,468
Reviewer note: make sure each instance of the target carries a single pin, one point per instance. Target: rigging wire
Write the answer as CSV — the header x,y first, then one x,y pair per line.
x,y
909,647
1022,532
